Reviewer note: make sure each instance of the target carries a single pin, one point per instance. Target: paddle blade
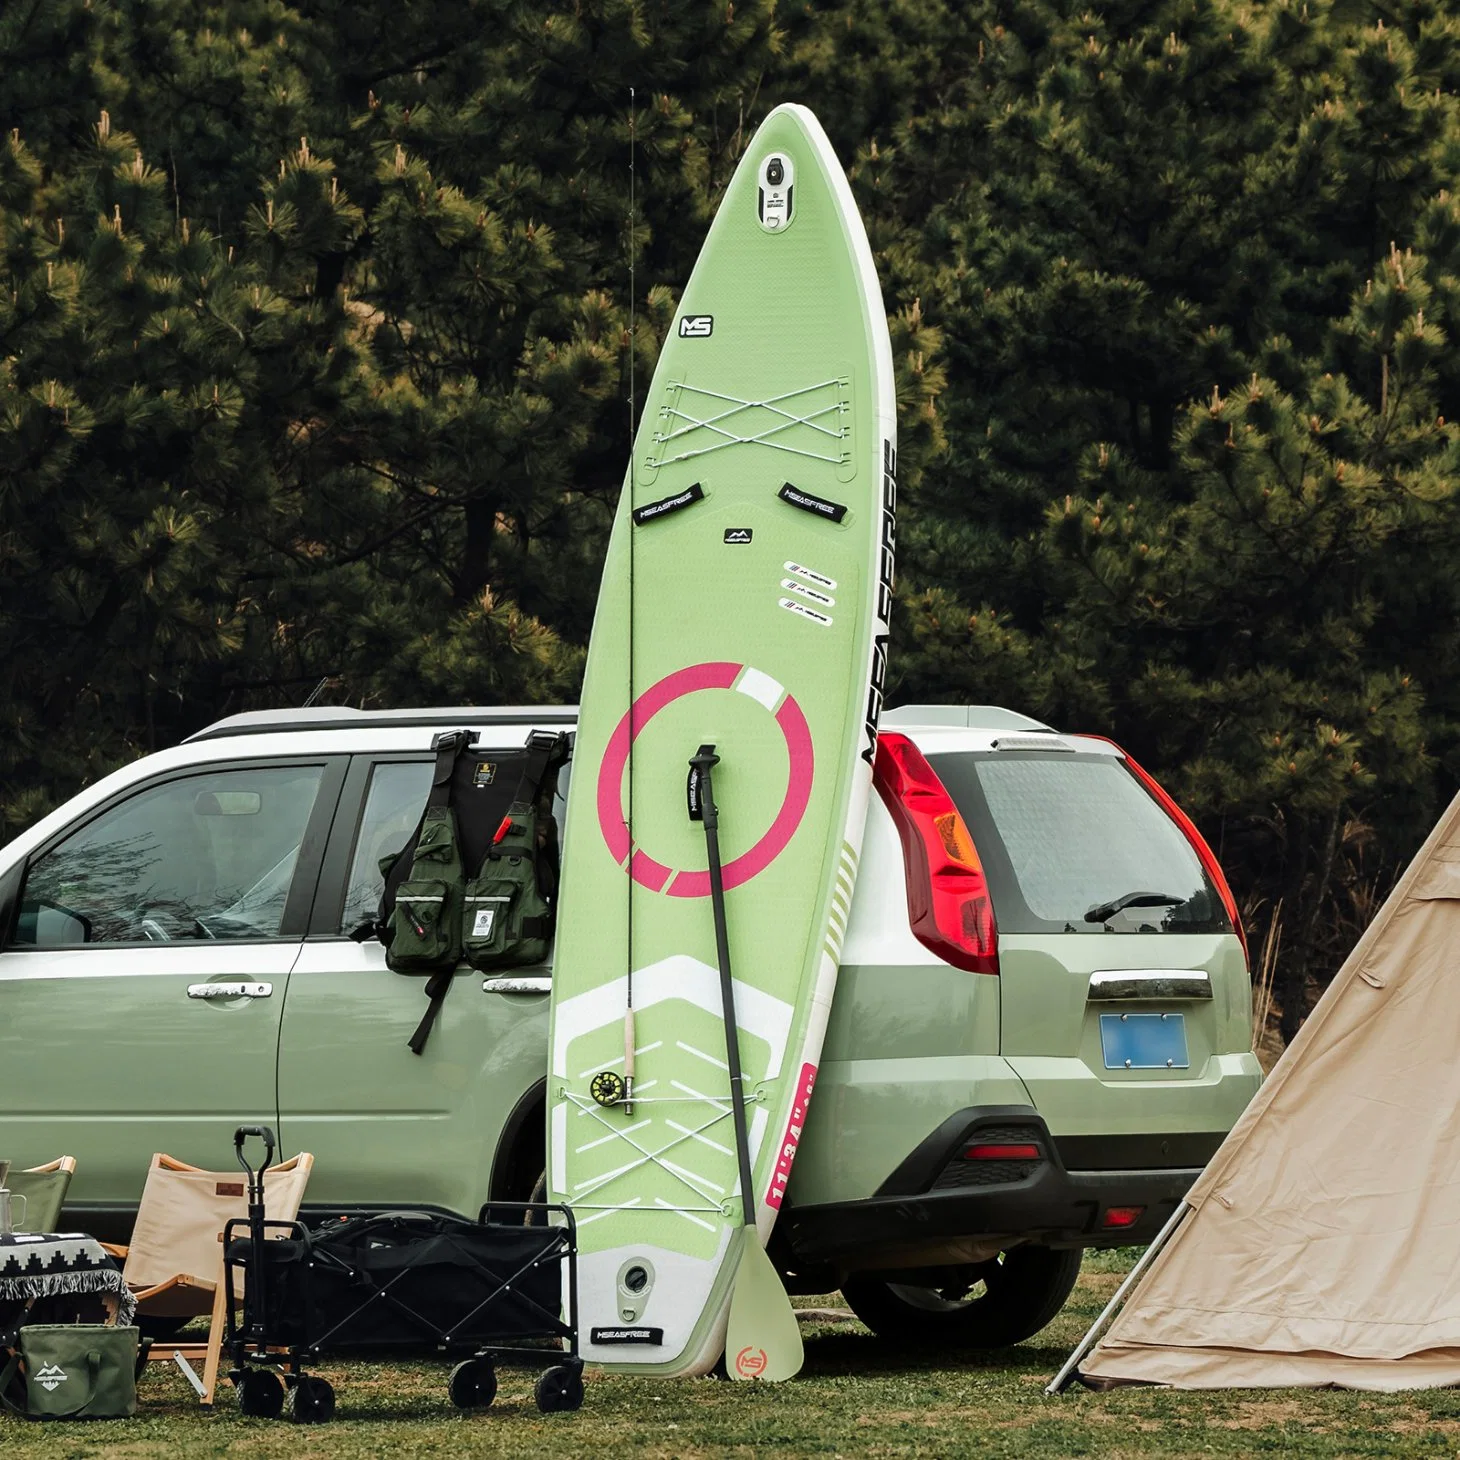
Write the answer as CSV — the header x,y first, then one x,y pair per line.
x,y
763,1339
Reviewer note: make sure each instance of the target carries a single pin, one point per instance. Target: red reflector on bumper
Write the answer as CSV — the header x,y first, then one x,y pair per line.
x,y
1121,1216
1002,1153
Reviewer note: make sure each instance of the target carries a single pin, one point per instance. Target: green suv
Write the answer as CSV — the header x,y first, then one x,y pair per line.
x,y
1041,1031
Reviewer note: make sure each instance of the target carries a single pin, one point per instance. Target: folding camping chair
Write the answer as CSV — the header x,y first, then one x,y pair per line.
x,y
174,1263
44,1189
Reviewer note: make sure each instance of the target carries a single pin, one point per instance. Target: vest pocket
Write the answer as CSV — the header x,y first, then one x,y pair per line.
x,y
506,920
437,841
422,931
487,919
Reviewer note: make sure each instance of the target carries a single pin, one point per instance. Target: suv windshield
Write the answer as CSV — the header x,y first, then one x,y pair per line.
x,y
1073,843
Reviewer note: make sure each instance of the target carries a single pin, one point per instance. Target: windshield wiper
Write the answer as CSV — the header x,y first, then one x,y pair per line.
x,y
1102,912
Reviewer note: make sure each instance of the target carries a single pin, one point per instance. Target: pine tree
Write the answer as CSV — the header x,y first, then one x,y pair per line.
x,y
314,363
320,371
1197,487
137,354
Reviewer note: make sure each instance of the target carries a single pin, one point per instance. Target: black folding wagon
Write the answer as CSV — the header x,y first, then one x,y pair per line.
x,y
404,1284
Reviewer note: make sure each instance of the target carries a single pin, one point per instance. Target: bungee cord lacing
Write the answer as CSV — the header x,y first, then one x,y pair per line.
x,y
586,1106
787,419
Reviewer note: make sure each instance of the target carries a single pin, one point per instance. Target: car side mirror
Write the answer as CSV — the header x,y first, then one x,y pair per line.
x,y
49,925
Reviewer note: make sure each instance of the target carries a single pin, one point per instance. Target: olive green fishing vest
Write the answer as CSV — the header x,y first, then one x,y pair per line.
x,y
479,878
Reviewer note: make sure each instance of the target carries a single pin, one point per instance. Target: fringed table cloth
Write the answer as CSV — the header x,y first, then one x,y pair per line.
x,y
55,1264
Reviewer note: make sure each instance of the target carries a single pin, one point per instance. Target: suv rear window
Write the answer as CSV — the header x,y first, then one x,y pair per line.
x,y
1062,836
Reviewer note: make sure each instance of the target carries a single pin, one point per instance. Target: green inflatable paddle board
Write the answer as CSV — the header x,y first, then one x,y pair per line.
x,y
744,605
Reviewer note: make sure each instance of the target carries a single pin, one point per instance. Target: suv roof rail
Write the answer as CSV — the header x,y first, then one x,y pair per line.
x,y
964,717
343,717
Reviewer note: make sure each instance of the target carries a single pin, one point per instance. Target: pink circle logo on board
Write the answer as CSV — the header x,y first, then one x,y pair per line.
x,y
788,715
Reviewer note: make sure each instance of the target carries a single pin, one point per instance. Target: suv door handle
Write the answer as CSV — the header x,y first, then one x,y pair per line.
x,y
542,984
230,990
1110,984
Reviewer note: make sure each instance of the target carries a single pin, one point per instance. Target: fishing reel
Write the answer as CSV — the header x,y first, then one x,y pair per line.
x,y
608,1088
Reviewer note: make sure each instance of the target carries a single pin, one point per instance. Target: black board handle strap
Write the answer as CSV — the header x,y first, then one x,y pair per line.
x,y
652,511
809,502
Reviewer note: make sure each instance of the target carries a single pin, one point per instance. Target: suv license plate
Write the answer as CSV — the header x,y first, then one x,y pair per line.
x,y
1144,1041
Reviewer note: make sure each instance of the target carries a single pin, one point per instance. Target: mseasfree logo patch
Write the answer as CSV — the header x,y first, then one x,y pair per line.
x,y
51,1377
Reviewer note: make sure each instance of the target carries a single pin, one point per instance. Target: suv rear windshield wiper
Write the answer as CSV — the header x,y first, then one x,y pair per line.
x,y
1103,911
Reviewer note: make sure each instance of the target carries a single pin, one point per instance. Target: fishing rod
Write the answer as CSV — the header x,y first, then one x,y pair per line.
x,y
628,1100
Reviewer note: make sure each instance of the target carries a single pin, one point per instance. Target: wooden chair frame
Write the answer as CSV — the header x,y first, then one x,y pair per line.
x,y
190,1294
61,1163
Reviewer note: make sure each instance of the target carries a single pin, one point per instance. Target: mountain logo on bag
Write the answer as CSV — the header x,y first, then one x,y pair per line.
x,y
51,1377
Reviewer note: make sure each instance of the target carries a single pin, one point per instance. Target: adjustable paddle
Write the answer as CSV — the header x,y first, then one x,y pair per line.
x,y
763,1339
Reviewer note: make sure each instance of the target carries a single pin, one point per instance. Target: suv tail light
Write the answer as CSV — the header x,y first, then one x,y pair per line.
x,y
948,903
1205,855
1007,1151
1121,1216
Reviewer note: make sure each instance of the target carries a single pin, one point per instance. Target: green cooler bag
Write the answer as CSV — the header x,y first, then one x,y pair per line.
x,y
73,1371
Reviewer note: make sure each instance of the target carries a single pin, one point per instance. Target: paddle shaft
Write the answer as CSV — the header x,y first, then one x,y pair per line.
x,y
703,762
629,1036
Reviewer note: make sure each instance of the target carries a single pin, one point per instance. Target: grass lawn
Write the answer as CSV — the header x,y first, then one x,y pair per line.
x,y
857,1396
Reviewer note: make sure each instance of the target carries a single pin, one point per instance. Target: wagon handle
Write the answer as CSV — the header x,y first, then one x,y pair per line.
x,y
255,1174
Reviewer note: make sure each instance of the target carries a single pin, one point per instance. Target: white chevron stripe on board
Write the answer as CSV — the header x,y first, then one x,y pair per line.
x,y
678,977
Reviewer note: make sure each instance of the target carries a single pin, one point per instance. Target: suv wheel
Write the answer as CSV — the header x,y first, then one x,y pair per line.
x,y
990,1305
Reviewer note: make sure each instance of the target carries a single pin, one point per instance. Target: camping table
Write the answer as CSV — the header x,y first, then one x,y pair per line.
x,y
49,1264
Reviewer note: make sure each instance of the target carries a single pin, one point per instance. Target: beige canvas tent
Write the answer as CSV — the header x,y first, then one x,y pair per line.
x,y
1321,1246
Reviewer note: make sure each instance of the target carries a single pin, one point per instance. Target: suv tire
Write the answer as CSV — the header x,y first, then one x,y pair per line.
x,y
1022,1290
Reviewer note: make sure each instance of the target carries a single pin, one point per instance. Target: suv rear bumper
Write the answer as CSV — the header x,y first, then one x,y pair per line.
x,y
922,1207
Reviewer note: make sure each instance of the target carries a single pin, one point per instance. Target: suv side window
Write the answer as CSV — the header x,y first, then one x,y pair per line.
x,y
393,805
203,857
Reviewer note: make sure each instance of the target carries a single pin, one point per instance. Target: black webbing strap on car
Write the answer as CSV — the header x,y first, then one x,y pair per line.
x,y
543,750
448,746
436,987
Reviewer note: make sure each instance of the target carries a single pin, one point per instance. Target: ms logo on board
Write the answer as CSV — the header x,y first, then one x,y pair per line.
x,y
750,1363
696,326
51,1377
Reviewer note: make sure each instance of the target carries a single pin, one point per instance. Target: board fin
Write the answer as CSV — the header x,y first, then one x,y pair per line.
x,y
762,1338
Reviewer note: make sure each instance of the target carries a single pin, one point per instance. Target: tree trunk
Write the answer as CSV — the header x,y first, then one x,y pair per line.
x,y
474,571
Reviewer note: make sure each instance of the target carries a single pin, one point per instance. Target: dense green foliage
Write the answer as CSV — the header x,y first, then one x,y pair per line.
x,y
1195,267
315,333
